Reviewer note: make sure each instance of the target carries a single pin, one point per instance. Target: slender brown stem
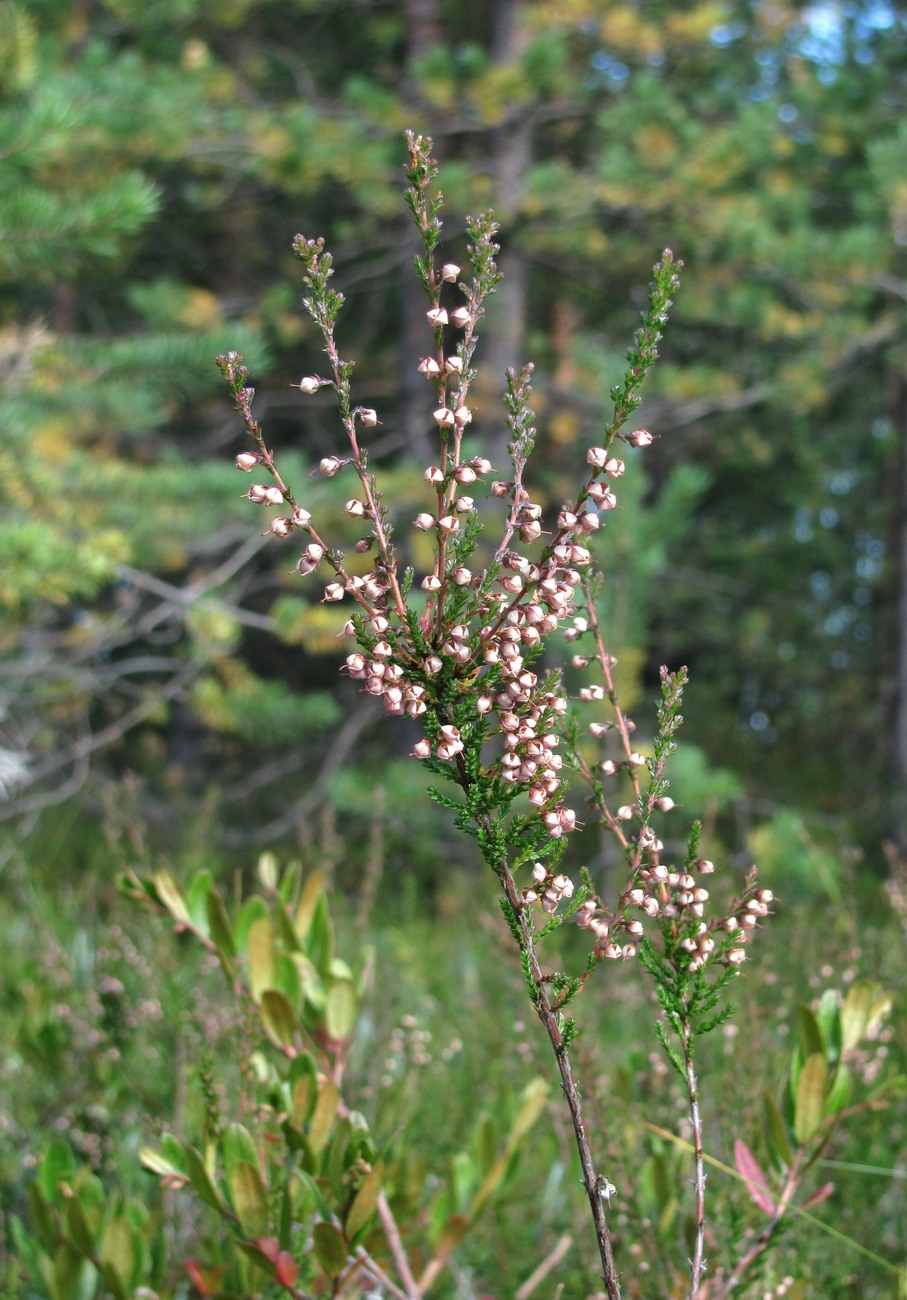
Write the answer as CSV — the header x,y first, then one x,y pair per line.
x,y
697,1263
594,1183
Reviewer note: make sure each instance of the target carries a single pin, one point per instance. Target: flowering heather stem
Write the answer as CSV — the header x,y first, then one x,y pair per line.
x,y
596,1185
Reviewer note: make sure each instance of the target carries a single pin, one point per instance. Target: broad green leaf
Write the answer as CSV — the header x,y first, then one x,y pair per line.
x,y
77,1228
238,1146
119,1255
287,978
201,1180
829,1020
340,1009
197,900
288,882
41,1217
841,1090
252,910
775,1132
278,1018
330,1248
261,956
250,1201
172,1149
58,1166
303,1091
320,940
811,1093
365,1200
219,927
311,981
288,933
70,1273
323,1116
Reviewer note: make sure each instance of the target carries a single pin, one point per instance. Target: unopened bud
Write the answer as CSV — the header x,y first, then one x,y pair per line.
x,y
368,418
247,460
309,385
450,272
330,465
437,316
460,317
640,438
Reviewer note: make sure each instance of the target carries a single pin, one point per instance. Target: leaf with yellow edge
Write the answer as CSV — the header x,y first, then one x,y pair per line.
x,y
261,956
865,1005
812,1090
278,1018
365,1200
308,901
323,1116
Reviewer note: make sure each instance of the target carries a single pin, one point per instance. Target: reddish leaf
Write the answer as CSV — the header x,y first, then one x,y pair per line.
x,y
207,1281
819,1195
756,1182
269,1247
287,1269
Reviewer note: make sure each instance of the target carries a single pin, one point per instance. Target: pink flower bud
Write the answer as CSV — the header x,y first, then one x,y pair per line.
x,y
281,527
424,521
444,417
463,504
434,476
334,591
247,460
422,749
640,438
454,365
309,385
429,366
329,465
614,468
499,489
462,576
355,508
450,272
301,517
460,317
431,583
367,417
665,803
449,524
437,316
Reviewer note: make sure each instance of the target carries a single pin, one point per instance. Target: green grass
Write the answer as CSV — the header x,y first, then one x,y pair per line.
x,y
105,1016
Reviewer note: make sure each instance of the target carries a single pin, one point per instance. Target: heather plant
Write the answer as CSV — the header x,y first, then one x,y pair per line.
x,y
468,650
